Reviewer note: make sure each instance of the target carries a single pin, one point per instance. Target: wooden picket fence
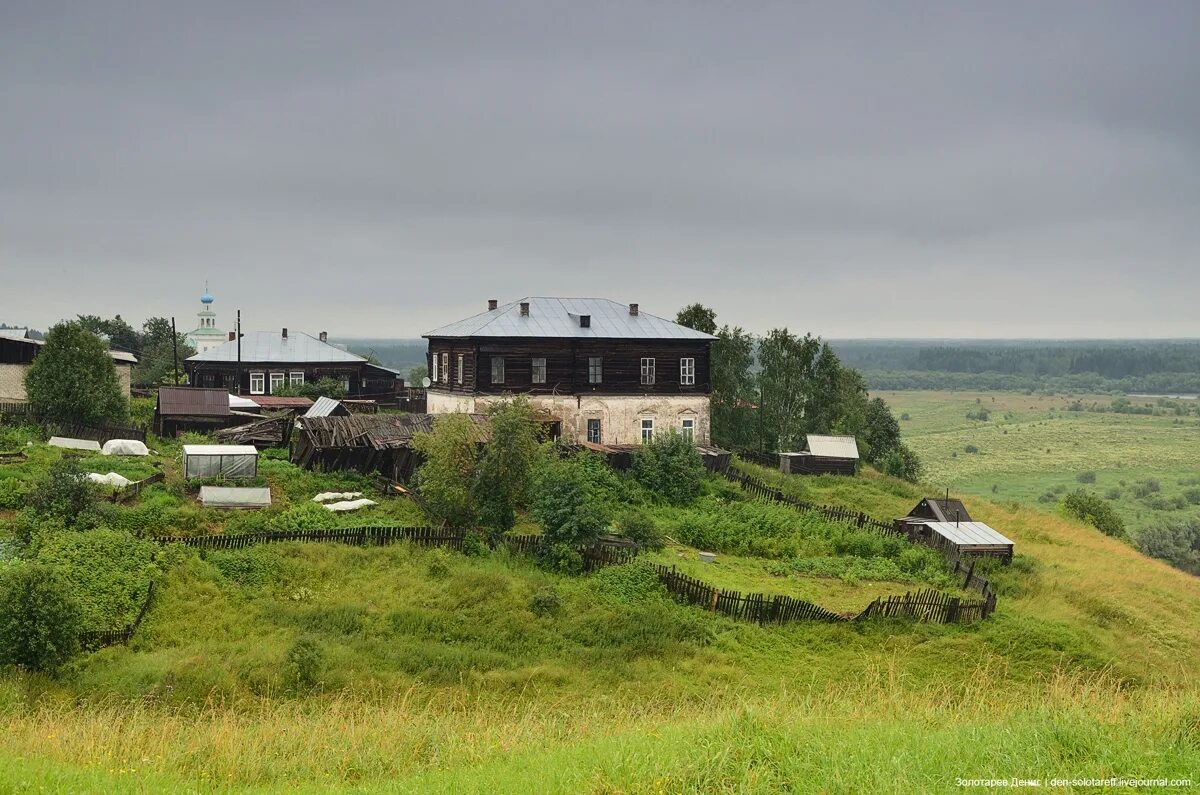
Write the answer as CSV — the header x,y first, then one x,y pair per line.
x,y
112,637
126,493
24,412
837,513
355,536
927,605
758,608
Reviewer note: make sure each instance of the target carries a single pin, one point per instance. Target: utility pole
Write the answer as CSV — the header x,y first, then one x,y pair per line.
x,y
175,352
239,352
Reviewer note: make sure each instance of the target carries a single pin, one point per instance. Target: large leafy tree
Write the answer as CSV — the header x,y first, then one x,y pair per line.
x,y
72,379
698,317
507,463
788,370
447,477
733,390
156,353
121,335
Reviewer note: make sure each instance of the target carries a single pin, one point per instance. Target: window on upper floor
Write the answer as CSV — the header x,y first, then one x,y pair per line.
x,y
537,370
497,369
687,372
595,369
433,366
647,371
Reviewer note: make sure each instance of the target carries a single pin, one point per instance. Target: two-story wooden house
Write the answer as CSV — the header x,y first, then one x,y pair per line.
x,y
609,372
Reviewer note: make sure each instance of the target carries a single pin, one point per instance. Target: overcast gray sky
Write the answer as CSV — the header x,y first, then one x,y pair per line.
x,y
378,169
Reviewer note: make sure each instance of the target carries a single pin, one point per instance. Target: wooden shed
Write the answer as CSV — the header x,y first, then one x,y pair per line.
x,y
940,510
826,455
186,408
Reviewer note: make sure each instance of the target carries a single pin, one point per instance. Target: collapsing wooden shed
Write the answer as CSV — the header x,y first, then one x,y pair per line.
x,y
826,455
366,442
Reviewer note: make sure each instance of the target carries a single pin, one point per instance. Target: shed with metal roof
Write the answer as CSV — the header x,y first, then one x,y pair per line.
x,y
826,455
963,538
185,408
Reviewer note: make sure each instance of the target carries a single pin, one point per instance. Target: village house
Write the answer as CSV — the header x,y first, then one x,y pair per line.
x,y
607,373
17,352
270,360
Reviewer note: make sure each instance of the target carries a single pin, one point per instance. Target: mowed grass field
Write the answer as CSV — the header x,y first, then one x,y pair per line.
x,y
1032,450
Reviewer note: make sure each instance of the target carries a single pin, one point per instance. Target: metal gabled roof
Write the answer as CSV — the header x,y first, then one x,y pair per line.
x,y
559,317
192,401
832,446
969,533
324,407
271,347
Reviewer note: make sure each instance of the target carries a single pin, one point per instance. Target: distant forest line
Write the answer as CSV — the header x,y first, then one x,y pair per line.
x,y
1128,366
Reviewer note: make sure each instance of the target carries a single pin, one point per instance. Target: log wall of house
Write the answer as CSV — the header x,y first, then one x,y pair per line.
x,y
567,362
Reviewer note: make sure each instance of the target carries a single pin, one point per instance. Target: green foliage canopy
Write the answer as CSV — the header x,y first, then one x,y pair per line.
x,y
72,379
39,618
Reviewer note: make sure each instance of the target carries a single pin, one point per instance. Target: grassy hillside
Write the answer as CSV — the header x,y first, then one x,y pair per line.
x,y
441,672
1032,450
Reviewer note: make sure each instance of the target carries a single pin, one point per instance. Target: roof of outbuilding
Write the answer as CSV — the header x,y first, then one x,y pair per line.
x,y
281,402
832,446
969,533
559,317
271,347
10,334
14,333
324,407
192,401
219,449
944,510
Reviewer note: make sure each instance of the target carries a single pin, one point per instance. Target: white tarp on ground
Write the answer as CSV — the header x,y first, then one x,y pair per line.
x,y
111,479
125,447
327,496
238,461
353,505
74,444
230,497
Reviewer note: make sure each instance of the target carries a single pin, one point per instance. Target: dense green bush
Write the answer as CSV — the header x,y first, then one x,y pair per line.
x,y
1177,543
39,618
569,501
633,582
1086,477
108,572
545,602
447,478
305,662
901,462
639,525
65,495
1088,507
669,466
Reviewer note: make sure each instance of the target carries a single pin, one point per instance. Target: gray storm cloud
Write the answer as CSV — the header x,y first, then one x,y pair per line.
x,y
376,169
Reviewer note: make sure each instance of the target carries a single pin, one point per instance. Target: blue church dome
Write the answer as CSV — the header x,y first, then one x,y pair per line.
x,y
206,298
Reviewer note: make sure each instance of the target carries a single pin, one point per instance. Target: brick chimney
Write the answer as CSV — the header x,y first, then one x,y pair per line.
x,y
492,304
285,332
524,309
585,321
324,336
633,309
232,336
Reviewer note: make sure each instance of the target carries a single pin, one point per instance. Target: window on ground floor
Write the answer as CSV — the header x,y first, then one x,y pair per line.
x,y
276,382
687,428
593,431
296,377
647,429
257,381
